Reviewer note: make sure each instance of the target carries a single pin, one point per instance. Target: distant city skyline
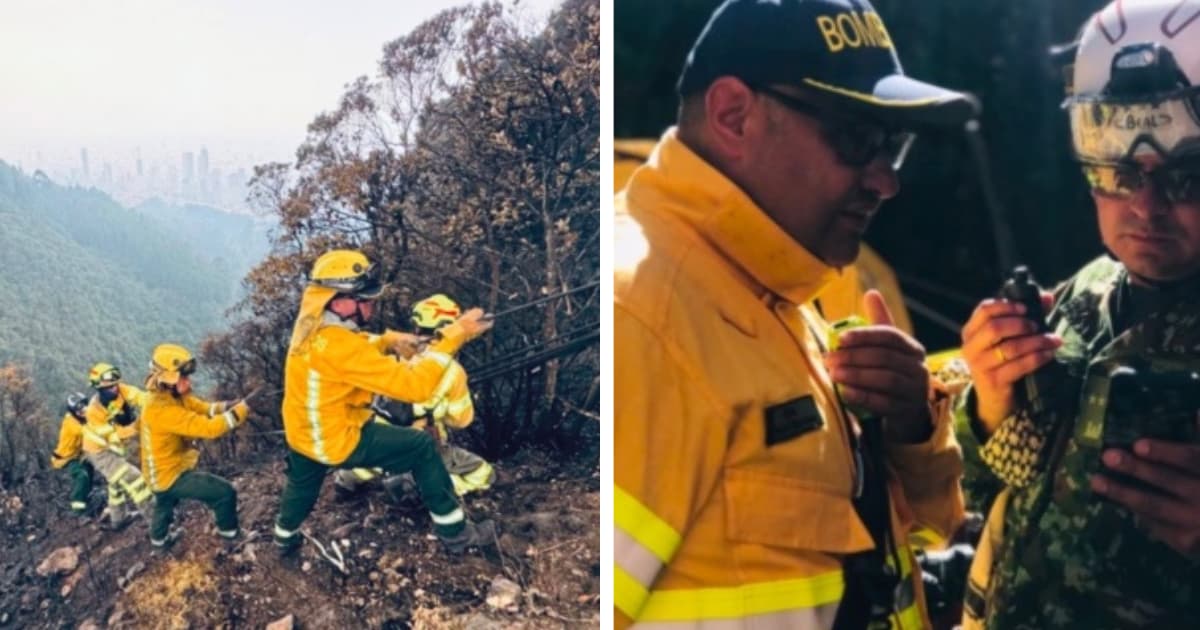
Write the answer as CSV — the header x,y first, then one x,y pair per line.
x,y
117,90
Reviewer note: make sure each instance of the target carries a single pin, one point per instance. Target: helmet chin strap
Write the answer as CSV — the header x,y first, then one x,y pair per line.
x,y
359,318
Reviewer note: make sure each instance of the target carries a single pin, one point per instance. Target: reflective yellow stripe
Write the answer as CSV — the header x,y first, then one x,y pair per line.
x,y
644,526
283,533
448,519
871,98
481,477
96,435
363,474
744,600
628,594
314,415
909,618
115,495
435,403
133,484
78,505
925,538
447,382
820,618
639,562
151,468
457,407
441,358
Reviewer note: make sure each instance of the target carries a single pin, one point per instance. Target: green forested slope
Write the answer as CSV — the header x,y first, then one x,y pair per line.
x,y
83,279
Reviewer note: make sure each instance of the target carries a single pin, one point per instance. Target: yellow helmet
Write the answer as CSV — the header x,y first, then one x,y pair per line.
x,y
170,361
104,375
348,271
435,311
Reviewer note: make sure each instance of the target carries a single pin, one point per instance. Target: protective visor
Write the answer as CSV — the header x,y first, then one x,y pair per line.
x,y
188,368
108,377
368,286
1111,131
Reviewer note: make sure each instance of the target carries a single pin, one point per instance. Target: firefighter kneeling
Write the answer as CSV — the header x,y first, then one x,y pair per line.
x,y
450,406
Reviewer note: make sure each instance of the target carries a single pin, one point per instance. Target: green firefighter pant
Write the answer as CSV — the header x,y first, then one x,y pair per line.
x,y
214,491
81,483
394,449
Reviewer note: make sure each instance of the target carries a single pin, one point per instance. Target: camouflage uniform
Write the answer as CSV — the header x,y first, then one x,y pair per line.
x,y
1053,554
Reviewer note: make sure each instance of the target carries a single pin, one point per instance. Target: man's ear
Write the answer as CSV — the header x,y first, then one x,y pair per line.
x,y
728,105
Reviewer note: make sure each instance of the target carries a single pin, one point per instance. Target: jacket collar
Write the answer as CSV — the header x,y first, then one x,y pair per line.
x,y
329,318
705,199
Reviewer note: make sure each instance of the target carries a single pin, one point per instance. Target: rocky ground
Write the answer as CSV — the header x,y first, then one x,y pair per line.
x,y
60,571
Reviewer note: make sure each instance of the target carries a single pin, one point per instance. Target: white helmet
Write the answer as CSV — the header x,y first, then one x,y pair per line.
x,y
1136,84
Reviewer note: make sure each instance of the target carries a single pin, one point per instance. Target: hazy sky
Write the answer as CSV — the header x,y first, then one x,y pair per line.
x,y
246,74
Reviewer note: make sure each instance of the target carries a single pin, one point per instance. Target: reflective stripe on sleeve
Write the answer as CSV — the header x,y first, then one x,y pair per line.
x,y
643,525
636,560
314,415
806,602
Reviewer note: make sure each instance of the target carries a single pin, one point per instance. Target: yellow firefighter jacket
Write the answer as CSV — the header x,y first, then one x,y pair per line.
x,y
843,296
100,432
70,441
451,402
330,378
733,470
169,422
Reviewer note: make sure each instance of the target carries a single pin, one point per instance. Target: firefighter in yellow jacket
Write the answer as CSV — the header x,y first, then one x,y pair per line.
x,y
171,418
112,417
332,371
450,406
763,478
69,452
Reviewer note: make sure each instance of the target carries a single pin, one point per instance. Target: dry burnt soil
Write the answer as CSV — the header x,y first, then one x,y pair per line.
x,y
544,572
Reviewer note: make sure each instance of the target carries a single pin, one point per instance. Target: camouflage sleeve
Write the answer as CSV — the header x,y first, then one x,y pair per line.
x,y
1013,449
980,484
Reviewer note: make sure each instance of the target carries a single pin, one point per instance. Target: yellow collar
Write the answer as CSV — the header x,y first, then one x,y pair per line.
x,y
695,192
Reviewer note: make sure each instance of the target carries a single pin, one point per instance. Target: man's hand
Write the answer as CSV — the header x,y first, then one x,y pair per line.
x,y
405,345
1174,469
882,369
258,398
475,322
1001,346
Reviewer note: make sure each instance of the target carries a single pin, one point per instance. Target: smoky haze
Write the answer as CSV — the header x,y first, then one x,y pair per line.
x,y
146,79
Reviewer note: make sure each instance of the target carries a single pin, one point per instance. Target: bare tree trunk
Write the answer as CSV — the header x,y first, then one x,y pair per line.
x,y
550,322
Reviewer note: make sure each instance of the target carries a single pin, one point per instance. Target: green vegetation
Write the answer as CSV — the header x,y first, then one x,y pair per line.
x,y
86,280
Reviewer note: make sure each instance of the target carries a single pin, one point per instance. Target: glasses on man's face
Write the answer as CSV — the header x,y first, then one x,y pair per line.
x,y
1177,183
856,142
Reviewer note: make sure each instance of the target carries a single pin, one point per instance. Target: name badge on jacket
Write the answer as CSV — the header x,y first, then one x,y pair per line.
x,y
791,419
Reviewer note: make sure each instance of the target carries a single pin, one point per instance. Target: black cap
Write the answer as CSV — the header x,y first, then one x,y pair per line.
x,y
837,50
